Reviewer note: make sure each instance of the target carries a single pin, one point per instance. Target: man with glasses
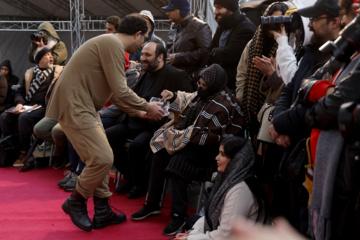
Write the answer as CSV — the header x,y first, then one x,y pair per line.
x,y
94,75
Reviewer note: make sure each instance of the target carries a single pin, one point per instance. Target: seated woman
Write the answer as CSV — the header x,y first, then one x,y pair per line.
x,y
184,149
236,193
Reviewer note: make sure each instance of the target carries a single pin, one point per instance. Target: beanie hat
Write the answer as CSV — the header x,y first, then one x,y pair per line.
x,y
38,56
231,5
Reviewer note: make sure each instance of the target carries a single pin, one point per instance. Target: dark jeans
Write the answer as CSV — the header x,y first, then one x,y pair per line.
x,y
179,195
25,121
131,162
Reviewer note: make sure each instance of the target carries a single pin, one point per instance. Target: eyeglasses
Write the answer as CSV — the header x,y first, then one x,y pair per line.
x,y
314,19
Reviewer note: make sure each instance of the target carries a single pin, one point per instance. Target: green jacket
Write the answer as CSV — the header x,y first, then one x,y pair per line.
x,y
59,51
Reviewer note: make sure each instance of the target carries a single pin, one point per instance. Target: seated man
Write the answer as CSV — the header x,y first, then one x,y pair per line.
x,y
156,76
34,90
188,148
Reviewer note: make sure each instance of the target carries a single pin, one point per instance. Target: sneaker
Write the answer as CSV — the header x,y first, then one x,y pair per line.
x,y
146,211
176,224
71,184
68,174
20,161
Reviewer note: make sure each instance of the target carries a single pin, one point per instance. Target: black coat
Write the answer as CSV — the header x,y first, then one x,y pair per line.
x,y
169,78
242,31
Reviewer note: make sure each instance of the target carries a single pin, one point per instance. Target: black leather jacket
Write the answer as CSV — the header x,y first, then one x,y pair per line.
x,y
190,43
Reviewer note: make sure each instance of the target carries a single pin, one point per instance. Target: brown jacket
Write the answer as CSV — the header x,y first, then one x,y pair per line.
x,y
94,75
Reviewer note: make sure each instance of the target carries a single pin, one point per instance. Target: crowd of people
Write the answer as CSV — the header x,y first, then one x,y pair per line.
x,y
218,96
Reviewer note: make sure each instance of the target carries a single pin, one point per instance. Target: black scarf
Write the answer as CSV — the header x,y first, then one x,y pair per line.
x,y
39,77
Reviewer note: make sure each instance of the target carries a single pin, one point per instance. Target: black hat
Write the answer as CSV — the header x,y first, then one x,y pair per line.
x,y
40,54
320,7
231,5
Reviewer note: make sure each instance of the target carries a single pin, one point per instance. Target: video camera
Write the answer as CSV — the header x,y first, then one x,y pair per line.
x,y
346,44
38,36
291,22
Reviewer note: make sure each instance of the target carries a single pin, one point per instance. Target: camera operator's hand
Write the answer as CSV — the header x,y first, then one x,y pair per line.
x,y
166,95
154,110
39,43
280,33
265,65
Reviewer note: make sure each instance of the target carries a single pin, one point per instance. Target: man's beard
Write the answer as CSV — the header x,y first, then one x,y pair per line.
x,y
151,66
223,17
50,65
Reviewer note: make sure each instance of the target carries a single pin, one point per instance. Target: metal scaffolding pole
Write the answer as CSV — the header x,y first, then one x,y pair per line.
x,y
76,15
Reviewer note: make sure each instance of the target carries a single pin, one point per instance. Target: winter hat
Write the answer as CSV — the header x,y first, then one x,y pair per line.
x,y
7,64
215,78
231,5
40,54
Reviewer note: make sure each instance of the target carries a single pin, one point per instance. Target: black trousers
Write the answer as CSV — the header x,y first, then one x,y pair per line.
x,y
22,123
131,162
179,196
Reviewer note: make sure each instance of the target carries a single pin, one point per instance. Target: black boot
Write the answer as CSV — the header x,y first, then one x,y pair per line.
x,y
104,216
76,207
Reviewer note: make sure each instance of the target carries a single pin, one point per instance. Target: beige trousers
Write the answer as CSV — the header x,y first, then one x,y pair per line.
x,y
94,150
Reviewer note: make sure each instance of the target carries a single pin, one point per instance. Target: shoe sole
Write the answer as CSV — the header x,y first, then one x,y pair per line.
x,y
173,233
158,212
18,165
99,226
64,208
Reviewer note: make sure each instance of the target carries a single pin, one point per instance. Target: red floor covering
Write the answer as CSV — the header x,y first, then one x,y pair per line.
x,y
30,208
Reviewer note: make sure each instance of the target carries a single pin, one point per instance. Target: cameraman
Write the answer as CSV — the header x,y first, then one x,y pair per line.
x,y
336,180
46,37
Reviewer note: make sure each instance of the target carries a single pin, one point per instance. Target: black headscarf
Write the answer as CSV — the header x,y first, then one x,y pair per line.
x,y
12,79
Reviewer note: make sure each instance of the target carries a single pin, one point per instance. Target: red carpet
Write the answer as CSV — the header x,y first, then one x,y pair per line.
x,y
30,208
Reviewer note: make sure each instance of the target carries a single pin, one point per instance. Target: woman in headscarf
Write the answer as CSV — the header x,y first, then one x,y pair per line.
x,y
235,194
185,148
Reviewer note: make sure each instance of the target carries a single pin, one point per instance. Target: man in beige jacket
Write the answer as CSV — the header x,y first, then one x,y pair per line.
x,y
94,75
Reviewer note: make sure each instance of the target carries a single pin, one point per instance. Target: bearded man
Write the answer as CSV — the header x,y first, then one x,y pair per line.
x,y
234,31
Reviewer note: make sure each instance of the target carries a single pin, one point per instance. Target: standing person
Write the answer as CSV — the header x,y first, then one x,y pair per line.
x,y
46,37
234,31
236,193
112,24
94,75
188,39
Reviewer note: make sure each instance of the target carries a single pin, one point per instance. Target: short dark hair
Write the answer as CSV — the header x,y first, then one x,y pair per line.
x,y
133,23
114,20
232,145
160,49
